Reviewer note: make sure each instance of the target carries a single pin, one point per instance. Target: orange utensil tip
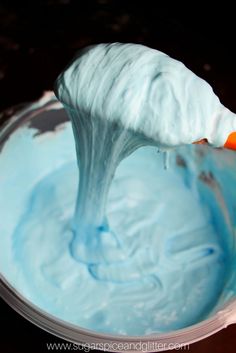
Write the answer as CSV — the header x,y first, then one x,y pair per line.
x,y
231,141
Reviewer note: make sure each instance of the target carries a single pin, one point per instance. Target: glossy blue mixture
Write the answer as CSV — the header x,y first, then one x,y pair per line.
x,y
137,248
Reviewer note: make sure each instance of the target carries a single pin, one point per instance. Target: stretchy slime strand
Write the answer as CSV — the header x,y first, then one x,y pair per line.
x,y
131,96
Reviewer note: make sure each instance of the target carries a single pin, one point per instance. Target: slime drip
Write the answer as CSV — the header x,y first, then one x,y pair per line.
x,y
100,146
146,249
120,97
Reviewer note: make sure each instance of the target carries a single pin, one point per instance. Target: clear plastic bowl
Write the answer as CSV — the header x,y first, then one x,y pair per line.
x,y
40,115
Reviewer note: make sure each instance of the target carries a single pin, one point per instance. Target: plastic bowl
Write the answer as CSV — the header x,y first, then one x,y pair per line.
x,y
41,115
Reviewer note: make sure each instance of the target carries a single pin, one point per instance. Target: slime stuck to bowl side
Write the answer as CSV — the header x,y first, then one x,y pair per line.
x,y
147,249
